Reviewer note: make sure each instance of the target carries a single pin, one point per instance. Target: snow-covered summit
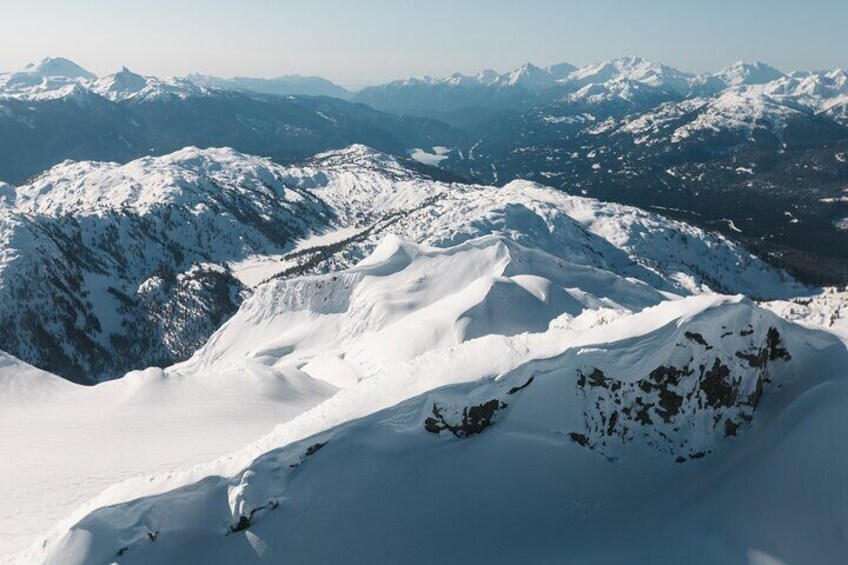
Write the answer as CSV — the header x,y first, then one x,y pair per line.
x,y
49,75
531,77
184,178
59,67
224,221
122,84
591,406
741,73
632,68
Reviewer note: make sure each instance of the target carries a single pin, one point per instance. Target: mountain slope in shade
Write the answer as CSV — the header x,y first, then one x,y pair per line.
x,y
281,86
293,344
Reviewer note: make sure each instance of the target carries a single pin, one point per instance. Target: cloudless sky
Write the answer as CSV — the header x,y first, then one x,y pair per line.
x,y
358,42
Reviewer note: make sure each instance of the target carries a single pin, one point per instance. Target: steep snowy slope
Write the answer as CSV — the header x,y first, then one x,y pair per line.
x,y
405,300
293,344
678,431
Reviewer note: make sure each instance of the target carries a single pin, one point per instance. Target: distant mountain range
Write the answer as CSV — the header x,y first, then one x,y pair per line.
x,y
288,85
55,111
751,151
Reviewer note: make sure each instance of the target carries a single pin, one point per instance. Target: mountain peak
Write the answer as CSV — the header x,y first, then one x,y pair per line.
x,y
633,68
122,84
60,67
741,73
530,77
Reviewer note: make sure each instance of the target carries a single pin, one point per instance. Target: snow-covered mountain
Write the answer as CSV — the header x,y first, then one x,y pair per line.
x,y
126,85
450,374
39,78
735,75
459,96
634,69
125,115
351,350
109,267
627,130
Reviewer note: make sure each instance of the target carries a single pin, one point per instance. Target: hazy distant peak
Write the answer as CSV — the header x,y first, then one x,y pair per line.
x,y
59,67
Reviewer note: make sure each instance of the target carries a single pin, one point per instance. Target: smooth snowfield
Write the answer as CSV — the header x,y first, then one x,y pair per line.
x,y
63,443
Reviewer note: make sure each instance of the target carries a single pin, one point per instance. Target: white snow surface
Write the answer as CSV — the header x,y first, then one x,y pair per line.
x,y
384,485
66,442
332,418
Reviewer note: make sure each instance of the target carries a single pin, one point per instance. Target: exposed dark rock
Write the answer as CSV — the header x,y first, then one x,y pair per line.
x,y
730,428
242,524
662,408
754,398
475,419
313,449
579,438
774,345
595,378
515,389
698,338
756,360
715,386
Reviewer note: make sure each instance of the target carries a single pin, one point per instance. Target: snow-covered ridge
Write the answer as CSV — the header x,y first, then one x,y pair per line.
x,y
127,85
422,347
187,178
521,398
56,78
196,218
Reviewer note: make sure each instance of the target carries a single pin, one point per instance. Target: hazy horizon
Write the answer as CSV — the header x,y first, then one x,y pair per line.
x,y
373,41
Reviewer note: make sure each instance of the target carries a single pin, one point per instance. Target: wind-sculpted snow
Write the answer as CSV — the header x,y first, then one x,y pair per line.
x,y
64,443
513,367
108,267
406,300
368,476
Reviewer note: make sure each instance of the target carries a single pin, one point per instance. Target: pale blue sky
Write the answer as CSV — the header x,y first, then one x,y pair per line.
x,y
356,42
